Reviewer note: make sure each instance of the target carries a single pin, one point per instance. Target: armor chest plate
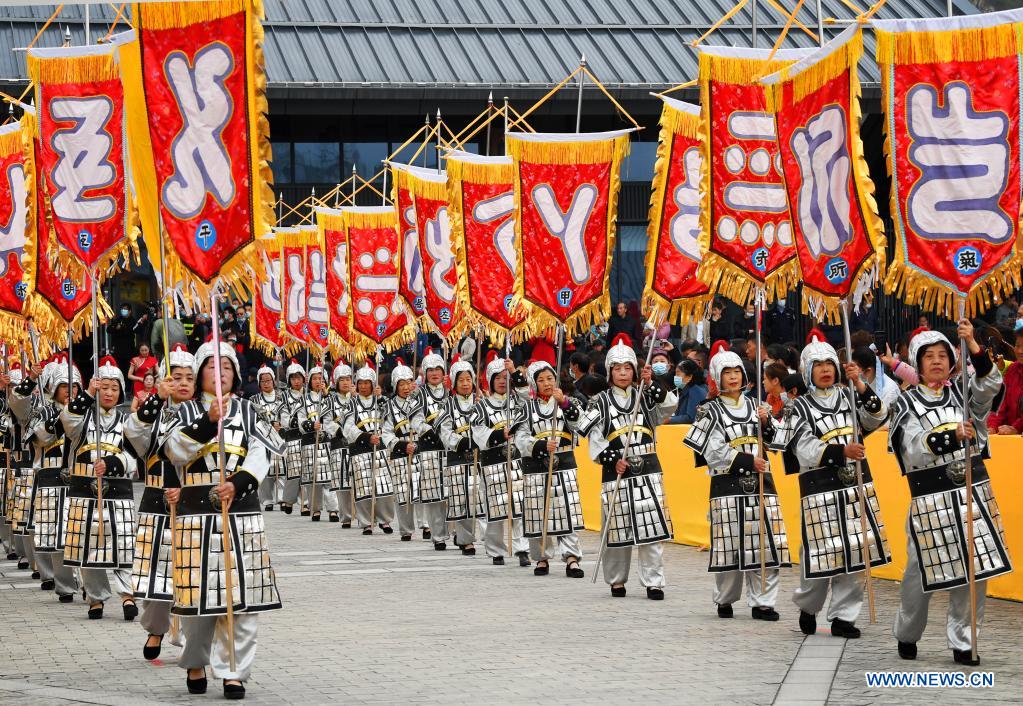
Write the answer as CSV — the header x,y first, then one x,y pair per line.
x,y
619,419
205,468
832,424
111,441
367,417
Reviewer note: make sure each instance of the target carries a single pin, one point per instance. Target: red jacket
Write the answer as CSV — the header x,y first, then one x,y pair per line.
x,y
1010,412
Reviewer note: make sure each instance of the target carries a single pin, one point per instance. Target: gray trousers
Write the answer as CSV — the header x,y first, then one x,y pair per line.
x,y
384,511
617,561
271,490
28,543
206,643
406,519
495,538
64,581
5,536
911,618
292,486
465,531
846,596
435,516
325,500
18,543
156,617
97,584
728,588
344,503
567,544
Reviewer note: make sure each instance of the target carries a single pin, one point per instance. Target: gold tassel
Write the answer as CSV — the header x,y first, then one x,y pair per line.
x,y
185,15
947,46
87,68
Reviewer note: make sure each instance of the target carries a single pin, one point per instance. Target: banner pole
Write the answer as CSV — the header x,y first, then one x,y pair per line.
x,y
820,24
550,461
490,109
759,308
753,23
579,97
971,573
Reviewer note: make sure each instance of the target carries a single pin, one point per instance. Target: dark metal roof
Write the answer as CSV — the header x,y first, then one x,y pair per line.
x,y
466,44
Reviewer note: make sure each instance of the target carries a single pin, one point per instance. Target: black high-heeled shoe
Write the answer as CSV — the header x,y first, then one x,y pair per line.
x,y
234,691
131,611
151,652
196,686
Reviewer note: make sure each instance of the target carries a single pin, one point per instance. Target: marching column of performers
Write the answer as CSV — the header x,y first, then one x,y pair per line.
x,y
487,462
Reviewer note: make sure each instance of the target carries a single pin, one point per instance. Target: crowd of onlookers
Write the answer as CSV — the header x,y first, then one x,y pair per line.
x,y
679,359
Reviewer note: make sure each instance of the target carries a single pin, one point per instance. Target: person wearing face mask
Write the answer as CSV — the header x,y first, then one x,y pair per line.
x,y
121,333
930,438
724,439
779,323
111,465
691,382
816,440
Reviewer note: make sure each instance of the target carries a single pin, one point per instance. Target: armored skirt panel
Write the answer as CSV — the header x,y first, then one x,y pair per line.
x,y
430,467
832,531
639,515
50,511
340,467
405,473
462,485
564,509
84,545
21,501
371,470
152,570
293,456
200,585
496,474
735,524
316,458
937,527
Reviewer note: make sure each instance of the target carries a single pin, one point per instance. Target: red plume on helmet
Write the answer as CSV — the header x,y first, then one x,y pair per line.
x,y
399,361
179,347
622,338
718,347
456,358
918,331
815,334
428,351
491,357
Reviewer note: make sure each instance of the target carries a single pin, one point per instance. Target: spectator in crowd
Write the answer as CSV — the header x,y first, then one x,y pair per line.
x,y
139,366
774,376
746,324
597,357
691,382
586,383
122,336
779,323
201,330
865,319
175,335
663,362
794,387
874,375
148,385
721,326
1008,418
622,322
1005,314
143,327
698,354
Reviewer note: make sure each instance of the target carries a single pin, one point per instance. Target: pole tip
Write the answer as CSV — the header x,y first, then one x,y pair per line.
x,y
438,115
582,60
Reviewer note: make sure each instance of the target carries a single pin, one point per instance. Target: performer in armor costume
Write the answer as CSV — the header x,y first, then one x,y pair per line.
x,y
111,465
17,462
6,442
290,401
374,486
317,421
267,401
461,470
639,517
430,452
152,572
724,438
45,433
342,469
397,435
544,427
816,441
200,593
20,475
491,430
927,434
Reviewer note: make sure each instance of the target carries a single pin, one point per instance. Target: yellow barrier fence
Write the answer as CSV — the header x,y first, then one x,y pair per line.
x,y
688,489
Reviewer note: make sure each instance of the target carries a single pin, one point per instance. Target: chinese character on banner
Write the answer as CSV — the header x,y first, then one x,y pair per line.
x,y
952,111
195,92
316,294
746,229
82,155
295,245
376,312
335,246
410,277
673,291
481,204
566,207
14,213
266,301
839,237
428,190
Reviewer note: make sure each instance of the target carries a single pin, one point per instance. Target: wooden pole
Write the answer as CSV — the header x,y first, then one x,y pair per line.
x,y
759,308
550,462
971,573
508,449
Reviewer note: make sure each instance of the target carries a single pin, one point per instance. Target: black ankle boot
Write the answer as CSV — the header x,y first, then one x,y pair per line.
x,y
843,628
523,558
234,691
965,657
807,622
768,614
498,561
725,610
654,593
907,650
618,591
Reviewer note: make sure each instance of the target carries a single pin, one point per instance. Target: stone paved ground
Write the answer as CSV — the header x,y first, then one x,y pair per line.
x,y
373,620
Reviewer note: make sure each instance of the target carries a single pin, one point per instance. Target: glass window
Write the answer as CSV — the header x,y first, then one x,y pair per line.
x,y
639,165
366,156
281,163
429,154
317,162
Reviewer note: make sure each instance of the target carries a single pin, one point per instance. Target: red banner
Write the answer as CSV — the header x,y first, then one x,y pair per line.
x,y
295,243
953,115
335,244
673,291
376,311
266,300
746,230
566,205
410,273
318,325
481,198
14,213
82,152
839,237
202,162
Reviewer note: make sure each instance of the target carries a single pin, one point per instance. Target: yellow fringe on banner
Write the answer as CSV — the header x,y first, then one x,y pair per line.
x,y
674,123
73,69
720,274
10,142
612,150
29,257
918,288
946,46
461,172
156,16
813,79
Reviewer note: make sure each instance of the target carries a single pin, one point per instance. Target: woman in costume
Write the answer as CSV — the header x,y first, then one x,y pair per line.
x,y
638,516
724,439
210,480
545,428
291,399
374,487
816,441
267,402
343,400
398,437
430,452
107,466
461,470
930,438
316,420
152,573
